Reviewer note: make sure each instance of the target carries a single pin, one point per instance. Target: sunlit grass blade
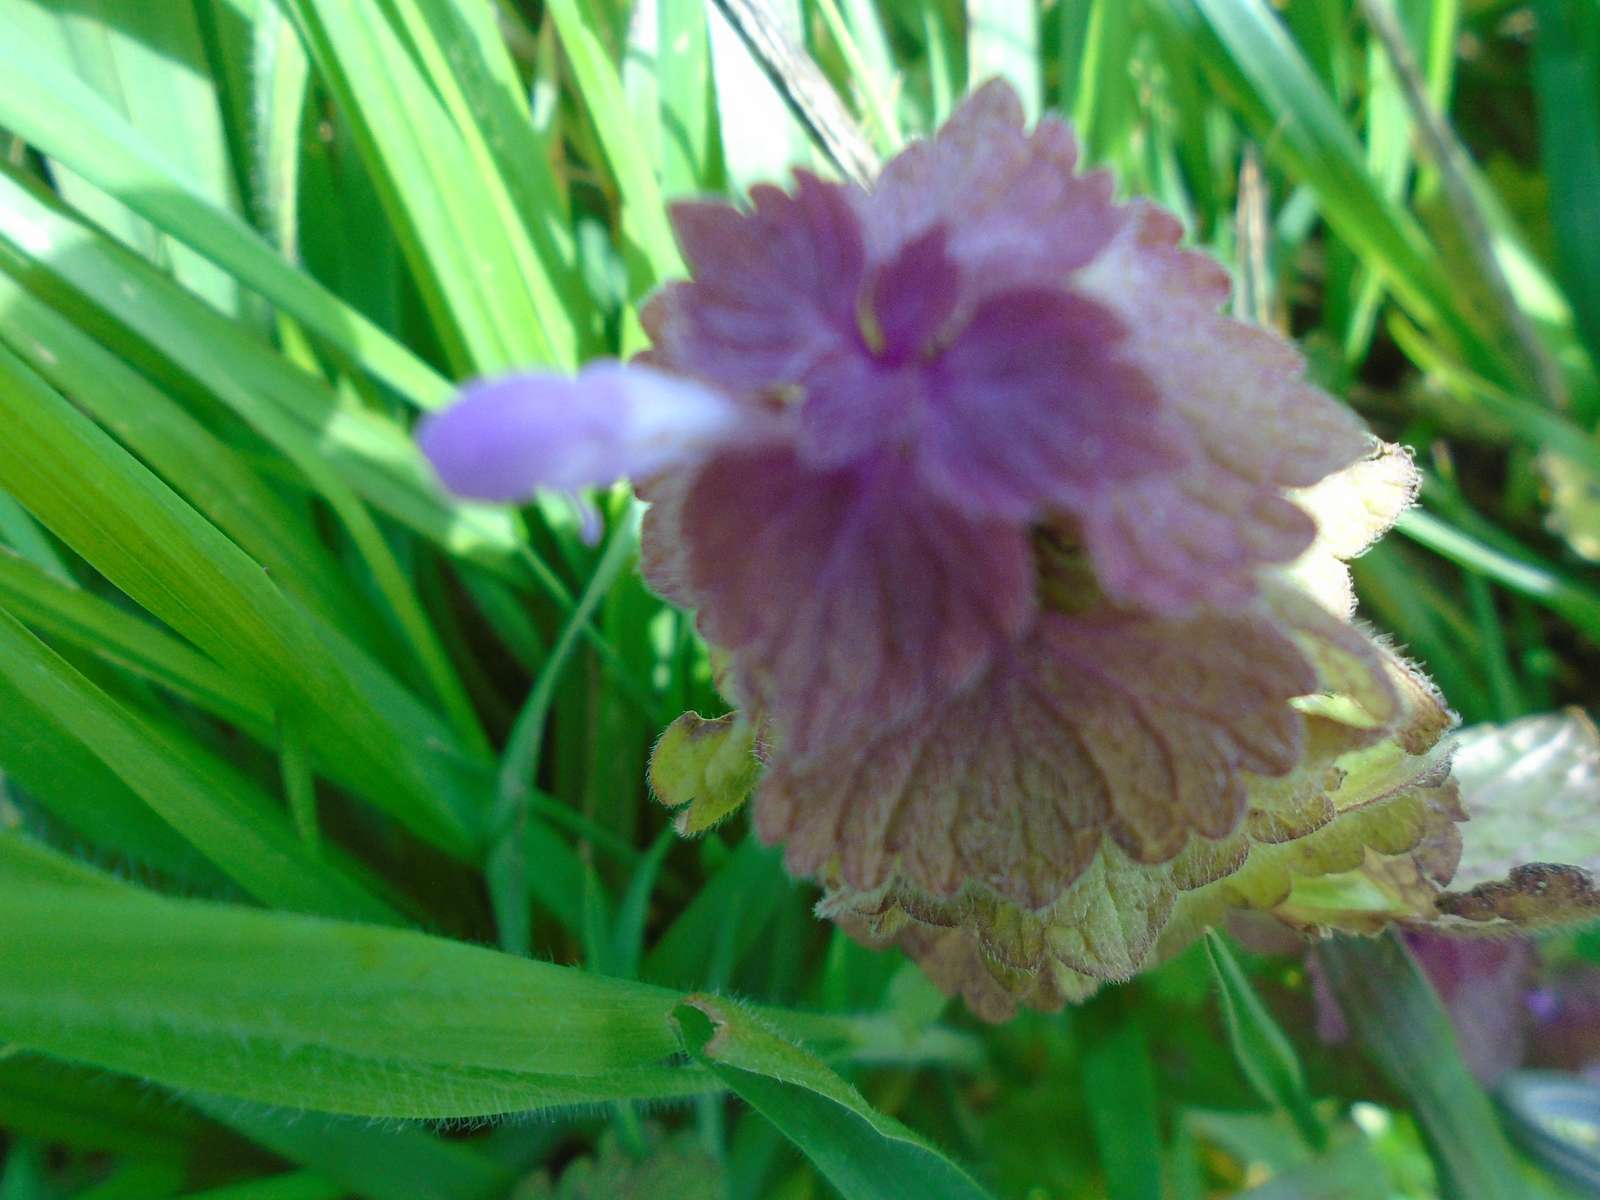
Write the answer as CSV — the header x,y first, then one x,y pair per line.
x,y
1099,35
168,334
1536,580
62,117
143,66
217,998
1265,74
644,221
154,547
280,76
209,802
760,140
96,626
471,260
461,51
1003,41
175,443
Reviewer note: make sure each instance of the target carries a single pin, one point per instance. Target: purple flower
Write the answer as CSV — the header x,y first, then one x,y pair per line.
x,y
1009,536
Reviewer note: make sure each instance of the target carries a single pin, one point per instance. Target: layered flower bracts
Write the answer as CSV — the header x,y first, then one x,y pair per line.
x,y
1025,562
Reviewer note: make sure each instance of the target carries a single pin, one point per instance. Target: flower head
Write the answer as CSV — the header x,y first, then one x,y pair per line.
x,y
1027,561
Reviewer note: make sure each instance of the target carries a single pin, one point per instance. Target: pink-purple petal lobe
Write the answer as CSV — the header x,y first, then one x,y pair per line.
x,y
504,439
1031,406
910,298
850,601
772,291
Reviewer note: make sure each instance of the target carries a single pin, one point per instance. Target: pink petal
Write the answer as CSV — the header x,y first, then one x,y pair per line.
x,y
773,290
1031,407
1016,213
1201,536
849,598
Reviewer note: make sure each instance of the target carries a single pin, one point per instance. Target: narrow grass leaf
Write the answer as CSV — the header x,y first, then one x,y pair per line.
x,y
1292,112
469,262
280,76
761,141
862,1152
69,1106
155,548
95,625
1566,80
144,65
644,219
1120,1087
155,326
210,803
1400,1021
62,117
1003,42
388,1023
178,446
363,1159
78,790
1264,1054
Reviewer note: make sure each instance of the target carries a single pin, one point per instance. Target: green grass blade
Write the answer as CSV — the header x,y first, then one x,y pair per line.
x,y
1291,111
1264,1054
171,336
144,66
22,535
280,76
1536,580
644,218
210,803
82,619
178,446
683,84
90,1110
390,1023
62,117
465,59
472,261
519,765
145,540
1003,42
1119,1083
722,922
1395,1012
373,1162
1567,83
761,141
866,1155
86,797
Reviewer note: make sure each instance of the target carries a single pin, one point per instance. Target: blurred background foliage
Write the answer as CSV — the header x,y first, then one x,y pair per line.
x,y
250,654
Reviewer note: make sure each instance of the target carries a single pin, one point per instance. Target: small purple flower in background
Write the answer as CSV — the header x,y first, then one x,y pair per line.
x,y
1026,560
